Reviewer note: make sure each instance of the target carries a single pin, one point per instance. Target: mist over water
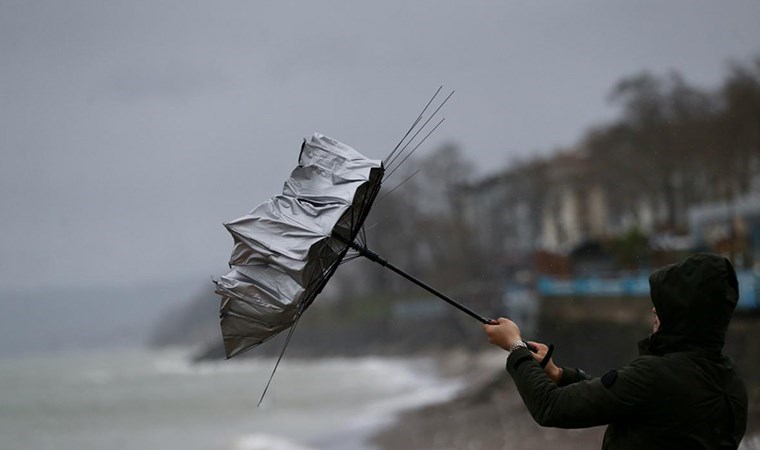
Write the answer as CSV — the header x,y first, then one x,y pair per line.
x,y
41,320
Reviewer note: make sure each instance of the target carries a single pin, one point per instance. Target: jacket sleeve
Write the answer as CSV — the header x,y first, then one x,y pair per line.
x,y
570,376
585,403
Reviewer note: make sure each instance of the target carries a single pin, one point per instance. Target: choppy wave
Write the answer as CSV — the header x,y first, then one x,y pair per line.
x,y
145,399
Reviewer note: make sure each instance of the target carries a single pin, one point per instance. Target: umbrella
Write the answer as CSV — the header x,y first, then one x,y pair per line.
x,y
286,249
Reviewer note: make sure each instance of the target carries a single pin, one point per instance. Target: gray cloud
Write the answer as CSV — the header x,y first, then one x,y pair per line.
x,y
129,131
171,80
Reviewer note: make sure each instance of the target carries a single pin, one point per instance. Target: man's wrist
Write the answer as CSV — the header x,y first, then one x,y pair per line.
x,y
555,374
515,344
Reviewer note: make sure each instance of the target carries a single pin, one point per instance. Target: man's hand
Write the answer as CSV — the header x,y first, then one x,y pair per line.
x,y
503,333
552,371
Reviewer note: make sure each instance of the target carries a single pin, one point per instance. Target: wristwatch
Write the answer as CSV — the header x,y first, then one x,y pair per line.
x,y
515,345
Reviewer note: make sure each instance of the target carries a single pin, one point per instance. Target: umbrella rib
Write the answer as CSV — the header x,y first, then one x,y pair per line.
x,y
415,148
371,226
292,329
366,205
389,160
420,129
326,272
282,353
416,121
350,258
363,233
397,186
361,236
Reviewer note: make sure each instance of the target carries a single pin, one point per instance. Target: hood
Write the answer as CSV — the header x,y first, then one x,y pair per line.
x,y
695,299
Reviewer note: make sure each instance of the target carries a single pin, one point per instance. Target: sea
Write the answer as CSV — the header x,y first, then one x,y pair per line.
x,y
130,399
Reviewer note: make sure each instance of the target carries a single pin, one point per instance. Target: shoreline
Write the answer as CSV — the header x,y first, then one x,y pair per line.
x,y
446,380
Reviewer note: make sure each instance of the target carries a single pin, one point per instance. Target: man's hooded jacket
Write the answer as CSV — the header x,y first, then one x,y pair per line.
x,y
680,393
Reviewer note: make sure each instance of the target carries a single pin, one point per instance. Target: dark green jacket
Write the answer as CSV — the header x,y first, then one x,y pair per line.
x,y
681,393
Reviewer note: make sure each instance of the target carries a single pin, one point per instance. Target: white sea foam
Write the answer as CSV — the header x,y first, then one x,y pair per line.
x,y
260,441
409,384
382,412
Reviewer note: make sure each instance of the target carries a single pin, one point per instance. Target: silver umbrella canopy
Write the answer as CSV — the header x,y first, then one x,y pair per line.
x,y
287,248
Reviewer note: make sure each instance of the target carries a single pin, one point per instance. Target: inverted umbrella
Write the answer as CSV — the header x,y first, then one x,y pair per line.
x,y
287,248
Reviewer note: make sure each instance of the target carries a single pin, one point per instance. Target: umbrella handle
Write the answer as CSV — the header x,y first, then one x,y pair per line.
x,y
374,257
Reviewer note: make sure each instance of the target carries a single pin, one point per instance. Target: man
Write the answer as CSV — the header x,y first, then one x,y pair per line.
x,y
680,393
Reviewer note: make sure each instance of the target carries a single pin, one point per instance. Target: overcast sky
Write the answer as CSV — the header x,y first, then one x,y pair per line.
x,y
130,130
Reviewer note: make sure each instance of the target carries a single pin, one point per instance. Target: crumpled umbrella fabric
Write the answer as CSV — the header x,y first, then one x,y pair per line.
x,y
287,248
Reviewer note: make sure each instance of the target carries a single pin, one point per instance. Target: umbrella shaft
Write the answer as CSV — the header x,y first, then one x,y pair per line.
x,y
372,256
